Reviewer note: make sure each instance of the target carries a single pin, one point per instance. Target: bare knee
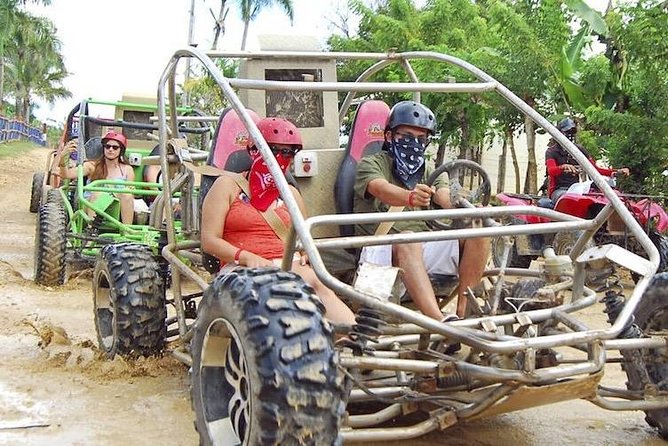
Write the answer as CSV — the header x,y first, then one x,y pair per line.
x,y
406,252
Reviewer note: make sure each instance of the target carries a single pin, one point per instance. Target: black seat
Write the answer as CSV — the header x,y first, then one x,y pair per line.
x,y
93,148
366,138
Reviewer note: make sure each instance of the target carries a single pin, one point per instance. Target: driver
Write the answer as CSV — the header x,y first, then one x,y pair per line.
x,y
562,169
396,177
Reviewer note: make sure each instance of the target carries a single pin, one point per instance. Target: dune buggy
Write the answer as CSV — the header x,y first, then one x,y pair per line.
x,y
67,235
264,365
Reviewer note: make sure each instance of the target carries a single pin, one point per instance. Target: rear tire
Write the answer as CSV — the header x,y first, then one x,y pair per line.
x,y
264,369
647,369
129,301
50,244
36,191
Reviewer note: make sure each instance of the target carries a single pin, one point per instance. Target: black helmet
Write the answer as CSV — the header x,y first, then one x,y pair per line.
x,y
566,125
413,114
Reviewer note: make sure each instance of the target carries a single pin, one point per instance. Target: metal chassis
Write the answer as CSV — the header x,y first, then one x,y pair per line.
x,y
481,333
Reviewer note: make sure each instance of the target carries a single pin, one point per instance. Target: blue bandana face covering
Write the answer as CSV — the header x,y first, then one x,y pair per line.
x,y
408,153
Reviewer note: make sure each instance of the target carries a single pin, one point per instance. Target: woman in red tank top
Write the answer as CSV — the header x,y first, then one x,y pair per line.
x,y
234,230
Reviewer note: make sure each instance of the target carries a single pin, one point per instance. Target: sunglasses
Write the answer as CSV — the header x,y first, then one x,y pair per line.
x,y
286,152
421,139
112,147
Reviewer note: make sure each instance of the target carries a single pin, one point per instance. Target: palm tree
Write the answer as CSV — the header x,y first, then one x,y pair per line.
x,y
250,9
8,10
34,62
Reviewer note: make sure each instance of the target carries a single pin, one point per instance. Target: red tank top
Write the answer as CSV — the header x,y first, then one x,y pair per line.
x,y
246,228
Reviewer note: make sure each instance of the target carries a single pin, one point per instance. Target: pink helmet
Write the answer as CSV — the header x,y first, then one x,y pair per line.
x,y
280,131
118,137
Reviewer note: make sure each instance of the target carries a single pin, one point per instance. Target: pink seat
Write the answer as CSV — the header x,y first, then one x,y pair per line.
x,y
366,138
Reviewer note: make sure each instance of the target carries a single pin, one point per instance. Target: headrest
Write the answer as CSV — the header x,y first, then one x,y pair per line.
x,y
229,150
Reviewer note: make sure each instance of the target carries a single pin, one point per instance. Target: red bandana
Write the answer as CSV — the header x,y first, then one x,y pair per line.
x,y
263,189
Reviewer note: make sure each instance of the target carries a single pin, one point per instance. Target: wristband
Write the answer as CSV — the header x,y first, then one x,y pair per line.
x,y
237,255
411,196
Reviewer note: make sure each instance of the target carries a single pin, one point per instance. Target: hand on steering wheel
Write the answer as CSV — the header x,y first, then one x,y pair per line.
x,y
461,196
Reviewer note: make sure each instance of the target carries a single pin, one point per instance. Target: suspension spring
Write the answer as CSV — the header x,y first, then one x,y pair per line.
x,y
457,379
614,302
367,328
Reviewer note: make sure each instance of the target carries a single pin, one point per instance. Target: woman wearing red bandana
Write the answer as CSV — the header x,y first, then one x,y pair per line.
x,y
234,230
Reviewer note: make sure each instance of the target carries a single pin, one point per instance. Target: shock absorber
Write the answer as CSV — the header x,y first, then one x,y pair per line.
x,y
367,328
614,302
163,264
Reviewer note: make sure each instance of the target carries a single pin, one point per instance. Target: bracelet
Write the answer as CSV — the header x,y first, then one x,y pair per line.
x,y
237,255
411,196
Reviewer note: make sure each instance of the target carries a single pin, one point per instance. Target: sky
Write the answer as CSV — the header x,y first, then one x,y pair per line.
x,y
112,47
116,46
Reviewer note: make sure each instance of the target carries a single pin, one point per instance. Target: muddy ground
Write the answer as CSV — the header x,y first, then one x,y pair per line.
x,y
55,389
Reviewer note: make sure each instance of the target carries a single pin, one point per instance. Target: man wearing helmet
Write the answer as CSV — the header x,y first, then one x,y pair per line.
x,y
234,228
562,169
396,177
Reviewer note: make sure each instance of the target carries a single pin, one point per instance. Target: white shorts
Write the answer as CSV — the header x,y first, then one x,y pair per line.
x,y
440,257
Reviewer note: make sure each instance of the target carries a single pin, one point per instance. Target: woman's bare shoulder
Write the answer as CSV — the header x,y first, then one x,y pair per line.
x,y
225,184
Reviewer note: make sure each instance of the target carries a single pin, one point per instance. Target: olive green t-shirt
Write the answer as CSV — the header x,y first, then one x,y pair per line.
x,y
380,166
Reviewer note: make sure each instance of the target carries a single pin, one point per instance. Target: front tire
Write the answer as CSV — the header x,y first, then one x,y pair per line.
x,y
129,301
50,244
647,369
264,368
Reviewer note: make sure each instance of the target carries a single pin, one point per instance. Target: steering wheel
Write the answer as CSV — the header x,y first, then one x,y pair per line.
x,y
460,196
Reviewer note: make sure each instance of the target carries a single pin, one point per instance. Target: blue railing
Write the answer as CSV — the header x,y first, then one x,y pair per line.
x,y
12,130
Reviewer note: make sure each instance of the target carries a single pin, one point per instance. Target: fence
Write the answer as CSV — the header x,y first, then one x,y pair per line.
x,y
12,130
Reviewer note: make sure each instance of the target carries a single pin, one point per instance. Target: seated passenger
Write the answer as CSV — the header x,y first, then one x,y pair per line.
x,y
395,177
234,229
111,166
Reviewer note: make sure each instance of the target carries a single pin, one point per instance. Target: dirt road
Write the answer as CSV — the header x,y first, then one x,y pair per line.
x,y
56,390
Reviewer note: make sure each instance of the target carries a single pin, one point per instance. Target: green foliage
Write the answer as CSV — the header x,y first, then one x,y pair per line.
x,y
205,95
33,64
588,15
630,115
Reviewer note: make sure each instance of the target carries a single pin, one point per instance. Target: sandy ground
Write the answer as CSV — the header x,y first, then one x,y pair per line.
x,y
55,389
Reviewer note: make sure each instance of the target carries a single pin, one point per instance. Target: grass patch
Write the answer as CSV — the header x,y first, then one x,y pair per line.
x,y
16,148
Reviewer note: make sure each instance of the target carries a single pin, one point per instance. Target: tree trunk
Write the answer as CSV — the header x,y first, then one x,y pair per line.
x,y
245,35
464,152
2,84
531,179
516,166
501,177
26,109
219,29
440,155
17,106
